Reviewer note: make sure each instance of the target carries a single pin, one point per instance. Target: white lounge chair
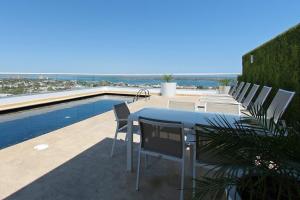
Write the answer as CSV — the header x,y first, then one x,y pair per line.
x,y
237,96
233,88
227,105
236,89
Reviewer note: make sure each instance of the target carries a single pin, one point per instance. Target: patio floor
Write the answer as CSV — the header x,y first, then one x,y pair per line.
x,y
77,165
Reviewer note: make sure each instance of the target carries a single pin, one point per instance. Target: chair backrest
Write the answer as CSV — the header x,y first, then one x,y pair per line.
x,y
162,137
238,90
121,113
279,104
182,105
201,141
250,95
240,98
258,103
233,88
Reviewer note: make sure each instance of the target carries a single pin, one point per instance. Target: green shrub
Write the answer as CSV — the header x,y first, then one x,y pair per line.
x,y
225,82
277,64
167,78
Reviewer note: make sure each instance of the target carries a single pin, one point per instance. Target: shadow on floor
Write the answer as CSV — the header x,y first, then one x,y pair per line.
x,y
93,174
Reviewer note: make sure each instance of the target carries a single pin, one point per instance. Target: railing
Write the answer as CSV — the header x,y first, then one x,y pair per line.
x,y
140,92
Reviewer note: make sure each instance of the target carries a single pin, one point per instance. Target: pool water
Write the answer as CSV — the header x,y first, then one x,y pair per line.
x,y
20,126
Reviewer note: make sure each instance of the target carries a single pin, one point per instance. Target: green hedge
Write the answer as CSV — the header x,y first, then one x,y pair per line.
x,y
277,64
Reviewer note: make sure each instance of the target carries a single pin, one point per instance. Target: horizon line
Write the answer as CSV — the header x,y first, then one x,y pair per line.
x,y
121,74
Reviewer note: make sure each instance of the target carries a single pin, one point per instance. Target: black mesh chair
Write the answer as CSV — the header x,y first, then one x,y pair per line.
x,y
121,113
259,101
229,105
207,161
233,88
238,90
279,104
250,96
241,96
163,139
237,97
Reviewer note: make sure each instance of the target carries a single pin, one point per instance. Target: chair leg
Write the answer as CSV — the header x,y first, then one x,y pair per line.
x,y
114,143
182,181
138,171
194,170
194,180
126,137
146,160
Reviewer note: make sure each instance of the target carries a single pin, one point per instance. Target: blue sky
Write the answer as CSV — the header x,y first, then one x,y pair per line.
x,y
137,36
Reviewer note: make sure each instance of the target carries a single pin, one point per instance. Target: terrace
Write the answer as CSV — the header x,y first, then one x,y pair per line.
x,y
57,135
77,164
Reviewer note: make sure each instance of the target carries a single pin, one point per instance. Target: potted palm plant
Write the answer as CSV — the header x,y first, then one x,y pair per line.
x,y
224,86
168,88
254,160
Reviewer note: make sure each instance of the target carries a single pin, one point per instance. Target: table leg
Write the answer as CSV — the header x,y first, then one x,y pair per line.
x,y
129,145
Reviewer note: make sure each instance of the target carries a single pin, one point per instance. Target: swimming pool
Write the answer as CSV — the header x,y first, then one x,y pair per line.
x,y
20,126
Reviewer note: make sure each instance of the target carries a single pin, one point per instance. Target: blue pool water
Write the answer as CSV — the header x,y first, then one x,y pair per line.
x,y
20,126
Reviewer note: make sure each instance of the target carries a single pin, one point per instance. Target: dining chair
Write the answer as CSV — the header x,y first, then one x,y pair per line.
x,y
182,105
199,158
206,161
121,112
164,139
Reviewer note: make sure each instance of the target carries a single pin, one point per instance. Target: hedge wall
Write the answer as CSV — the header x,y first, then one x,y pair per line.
x,y
277,64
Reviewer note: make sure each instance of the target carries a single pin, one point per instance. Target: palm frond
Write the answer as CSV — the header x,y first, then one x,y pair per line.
x,y
253,146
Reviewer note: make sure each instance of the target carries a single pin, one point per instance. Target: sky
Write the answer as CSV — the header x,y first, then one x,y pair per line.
x,y
137,36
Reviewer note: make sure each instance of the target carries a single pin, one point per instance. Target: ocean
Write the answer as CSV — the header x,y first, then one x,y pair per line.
x,y
148,80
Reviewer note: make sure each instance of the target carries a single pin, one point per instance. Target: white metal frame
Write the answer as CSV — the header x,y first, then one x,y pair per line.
x,y
173,158
194,104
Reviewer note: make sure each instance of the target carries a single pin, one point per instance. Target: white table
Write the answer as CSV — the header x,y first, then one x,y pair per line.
x,y
189,120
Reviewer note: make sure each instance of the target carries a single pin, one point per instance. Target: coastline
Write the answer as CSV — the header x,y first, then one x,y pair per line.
x,y
28,83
